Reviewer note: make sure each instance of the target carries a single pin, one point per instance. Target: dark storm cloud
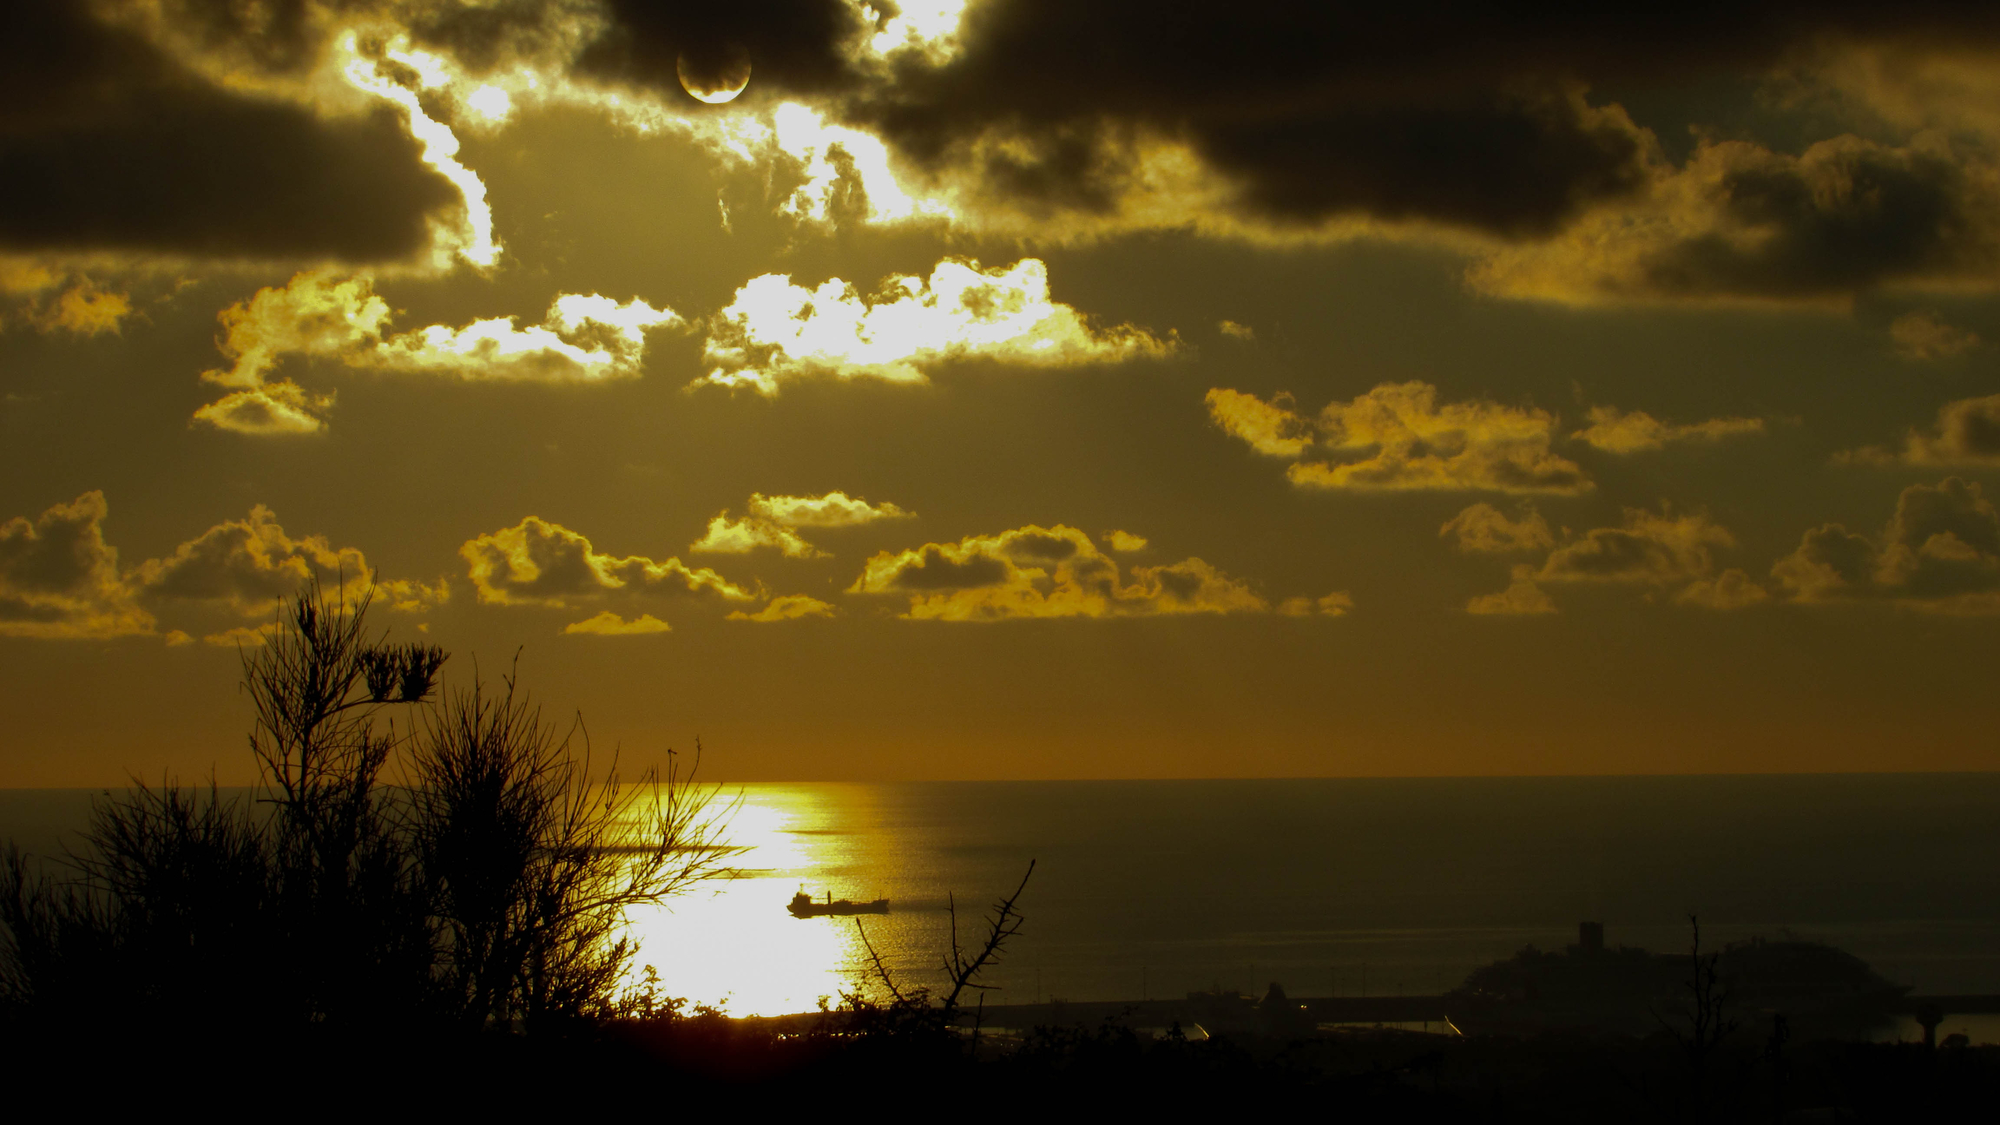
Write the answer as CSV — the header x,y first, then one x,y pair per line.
x,y
1458,113
1850,213
107,144
795,46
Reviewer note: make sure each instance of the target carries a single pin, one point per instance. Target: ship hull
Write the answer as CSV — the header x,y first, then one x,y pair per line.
x,y
840,907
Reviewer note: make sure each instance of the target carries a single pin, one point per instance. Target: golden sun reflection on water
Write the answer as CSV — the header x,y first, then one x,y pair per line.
x,y
730,942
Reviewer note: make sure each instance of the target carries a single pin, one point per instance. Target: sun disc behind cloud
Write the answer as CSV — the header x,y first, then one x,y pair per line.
x,y
714,81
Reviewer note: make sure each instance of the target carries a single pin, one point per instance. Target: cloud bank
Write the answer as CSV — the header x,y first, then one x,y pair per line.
x,y
60,579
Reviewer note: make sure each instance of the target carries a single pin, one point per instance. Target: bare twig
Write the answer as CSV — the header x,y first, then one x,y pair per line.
x,y
1001,928
881,970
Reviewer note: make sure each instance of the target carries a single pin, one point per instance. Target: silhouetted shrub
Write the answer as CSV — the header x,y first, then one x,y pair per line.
x,y
488,891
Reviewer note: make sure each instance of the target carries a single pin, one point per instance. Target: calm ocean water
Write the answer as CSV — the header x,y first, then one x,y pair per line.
x,y
1327,886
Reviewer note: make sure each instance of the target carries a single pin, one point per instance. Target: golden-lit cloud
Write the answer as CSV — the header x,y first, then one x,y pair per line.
x,y
1662,551
59,579
1967,434
1045,572
835,509
1484,529
786,607
1940,552
728,536
1923,335
318,313
1614,431
1522,598
1399,437
51,299
1274,428
1124,542
240,636
772,521
536,562
282,408
776,331
466,234
609,624
584,338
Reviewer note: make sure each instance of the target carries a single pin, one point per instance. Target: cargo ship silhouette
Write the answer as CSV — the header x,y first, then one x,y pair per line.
x,y
803,906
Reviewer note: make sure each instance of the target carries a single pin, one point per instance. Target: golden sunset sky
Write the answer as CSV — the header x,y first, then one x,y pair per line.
x,y
1013,388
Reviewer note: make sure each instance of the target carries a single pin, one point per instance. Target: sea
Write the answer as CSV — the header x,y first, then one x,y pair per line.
x,y
1345,887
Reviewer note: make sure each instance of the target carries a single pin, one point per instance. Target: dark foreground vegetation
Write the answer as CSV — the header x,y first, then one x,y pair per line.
x,y
419,911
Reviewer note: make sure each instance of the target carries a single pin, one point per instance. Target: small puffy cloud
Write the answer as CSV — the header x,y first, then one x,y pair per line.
x,y
1940,552
1398,437
1045,572
50,299
1614,431
835,509
786,607
582,339
318,314
1335,604
1658,550
1484,529
609,624
1522,597
772,521
728,536
59,579
1967,433
775,330
1923,335
246,565
272,409
1236,331
1274,428
1662,551
241,636
1732,589
1124,542
536,562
